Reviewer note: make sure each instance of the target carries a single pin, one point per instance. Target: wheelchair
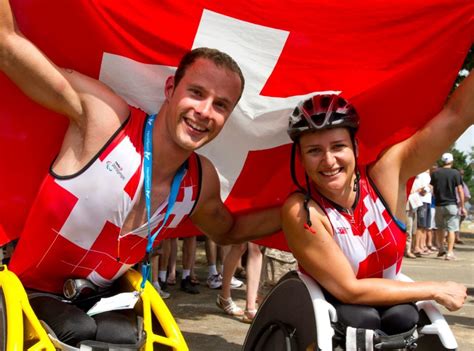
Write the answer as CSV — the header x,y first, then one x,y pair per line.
x,y
20,329
296,316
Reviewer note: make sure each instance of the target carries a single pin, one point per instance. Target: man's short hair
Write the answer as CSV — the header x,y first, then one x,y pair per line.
x,y
447,158
219,58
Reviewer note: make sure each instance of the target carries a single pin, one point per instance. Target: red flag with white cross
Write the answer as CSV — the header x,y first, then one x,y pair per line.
x,y
395,60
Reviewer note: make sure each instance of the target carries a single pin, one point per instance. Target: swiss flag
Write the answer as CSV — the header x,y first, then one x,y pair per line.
x,y
395,60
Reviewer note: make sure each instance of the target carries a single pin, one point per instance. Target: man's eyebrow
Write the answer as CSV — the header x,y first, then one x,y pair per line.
x,y
220,98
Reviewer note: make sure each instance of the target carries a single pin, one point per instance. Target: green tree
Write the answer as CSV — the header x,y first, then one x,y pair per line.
x,y
469,175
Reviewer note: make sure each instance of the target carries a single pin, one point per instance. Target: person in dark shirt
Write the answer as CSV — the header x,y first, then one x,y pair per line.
x,y
447,183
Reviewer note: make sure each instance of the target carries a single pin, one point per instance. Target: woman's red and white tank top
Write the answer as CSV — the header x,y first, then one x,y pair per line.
x,y
372,239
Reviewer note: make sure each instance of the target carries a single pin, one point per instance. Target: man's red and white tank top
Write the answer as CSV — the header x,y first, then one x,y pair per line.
x,y
73,228
372,239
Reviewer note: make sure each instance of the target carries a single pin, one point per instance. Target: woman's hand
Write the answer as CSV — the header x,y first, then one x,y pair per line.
x,y
451,295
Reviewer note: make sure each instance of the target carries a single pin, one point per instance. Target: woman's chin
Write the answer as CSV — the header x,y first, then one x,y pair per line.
x,y
332,185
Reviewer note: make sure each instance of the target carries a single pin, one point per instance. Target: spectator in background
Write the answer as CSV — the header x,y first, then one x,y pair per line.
x,y
423,188
254,266
431,237
159,261
467,197
188,282
173,257
410,231
447,182
214,254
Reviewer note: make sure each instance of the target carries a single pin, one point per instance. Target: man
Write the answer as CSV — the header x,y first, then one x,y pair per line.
x,y
91,218
447,184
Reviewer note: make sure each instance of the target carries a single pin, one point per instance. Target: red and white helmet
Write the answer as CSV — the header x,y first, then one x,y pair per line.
x,y
323,111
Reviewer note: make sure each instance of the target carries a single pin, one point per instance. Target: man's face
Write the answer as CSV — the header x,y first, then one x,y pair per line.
x,y
201,103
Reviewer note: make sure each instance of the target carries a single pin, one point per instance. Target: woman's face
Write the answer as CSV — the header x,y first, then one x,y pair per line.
x,y
328,158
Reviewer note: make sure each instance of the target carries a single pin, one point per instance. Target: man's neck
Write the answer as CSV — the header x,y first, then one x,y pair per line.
x,y
167,155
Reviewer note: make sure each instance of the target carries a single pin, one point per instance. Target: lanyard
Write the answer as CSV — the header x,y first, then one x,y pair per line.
x,y
147,168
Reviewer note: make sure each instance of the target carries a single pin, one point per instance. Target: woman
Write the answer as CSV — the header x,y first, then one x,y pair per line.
x,y
343,227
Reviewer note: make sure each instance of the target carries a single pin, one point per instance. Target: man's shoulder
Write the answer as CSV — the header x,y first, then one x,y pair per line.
x,y
446,173
453,172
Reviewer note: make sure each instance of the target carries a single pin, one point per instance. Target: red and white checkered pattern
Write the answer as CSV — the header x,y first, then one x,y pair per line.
x,y
370,238
74,228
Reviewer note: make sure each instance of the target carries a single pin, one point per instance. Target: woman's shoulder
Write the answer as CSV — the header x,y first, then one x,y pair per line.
x,y
295,203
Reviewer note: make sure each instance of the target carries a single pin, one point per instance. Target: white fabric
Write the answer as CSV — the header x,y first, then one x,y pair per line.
x,y
351,339
423,180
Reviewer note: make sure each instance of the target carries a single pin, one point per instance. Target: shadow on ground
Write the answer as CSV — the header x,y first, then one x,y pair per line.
x,y
467,322
210,342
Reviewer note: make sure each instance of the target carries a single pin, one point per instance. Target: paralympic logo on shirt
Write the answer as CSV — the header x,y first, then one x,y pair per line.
x,y
341,230
115,166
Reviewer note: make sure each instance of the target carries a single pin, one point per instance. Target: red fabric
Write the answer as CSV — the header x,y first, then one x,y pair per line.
x,y
395,60
3,236
409,185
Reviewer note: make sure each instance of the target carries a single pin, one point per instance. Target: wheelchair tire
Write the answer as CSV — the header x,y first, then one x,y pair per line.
x,y
430,343
289,304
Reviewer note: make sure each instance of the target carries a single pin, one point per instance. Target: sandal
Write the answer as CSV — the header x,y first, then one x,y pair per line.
x,y
249,316
229,306
171,281
195,280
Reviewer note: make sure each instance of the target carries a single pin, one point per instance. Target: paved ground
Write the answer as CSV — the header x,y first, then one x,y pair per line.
x,y
205,327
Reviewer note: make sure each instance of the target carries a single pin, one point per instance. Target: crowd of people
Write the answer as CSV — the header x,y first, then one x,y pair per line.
x,y
437,205
322,220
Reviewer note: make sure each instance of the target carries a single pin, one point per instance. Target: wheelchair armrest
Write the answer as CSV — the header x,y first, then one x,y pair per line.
x,y
438,325
324,312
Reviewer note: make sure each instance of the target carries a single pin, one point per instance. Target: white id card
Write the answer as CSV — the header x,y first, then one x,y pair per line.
x,y
120,301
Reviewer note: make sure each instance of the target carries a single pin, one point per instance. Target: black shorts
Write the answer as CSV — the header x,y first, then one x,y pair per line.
x,y
423,214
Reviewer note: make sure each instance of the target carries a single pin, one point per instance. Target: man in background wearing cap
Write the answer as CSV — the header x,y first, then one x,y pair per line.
x,y
446,183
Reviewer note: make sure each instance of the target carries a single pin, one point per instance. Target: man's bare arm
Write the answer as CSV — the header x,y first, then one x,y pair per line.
x,y
214,219
421,150
64,91
417,153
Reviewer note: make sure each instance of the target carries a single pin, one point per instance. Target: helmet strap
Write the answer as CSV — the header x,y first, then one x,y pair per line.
x,y
306,191
355,146
307,197
293,168
355,188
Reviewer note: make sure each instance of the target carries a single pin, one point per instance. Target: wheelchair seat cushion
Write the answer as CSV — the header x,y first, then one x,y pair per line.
x,y
389,319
